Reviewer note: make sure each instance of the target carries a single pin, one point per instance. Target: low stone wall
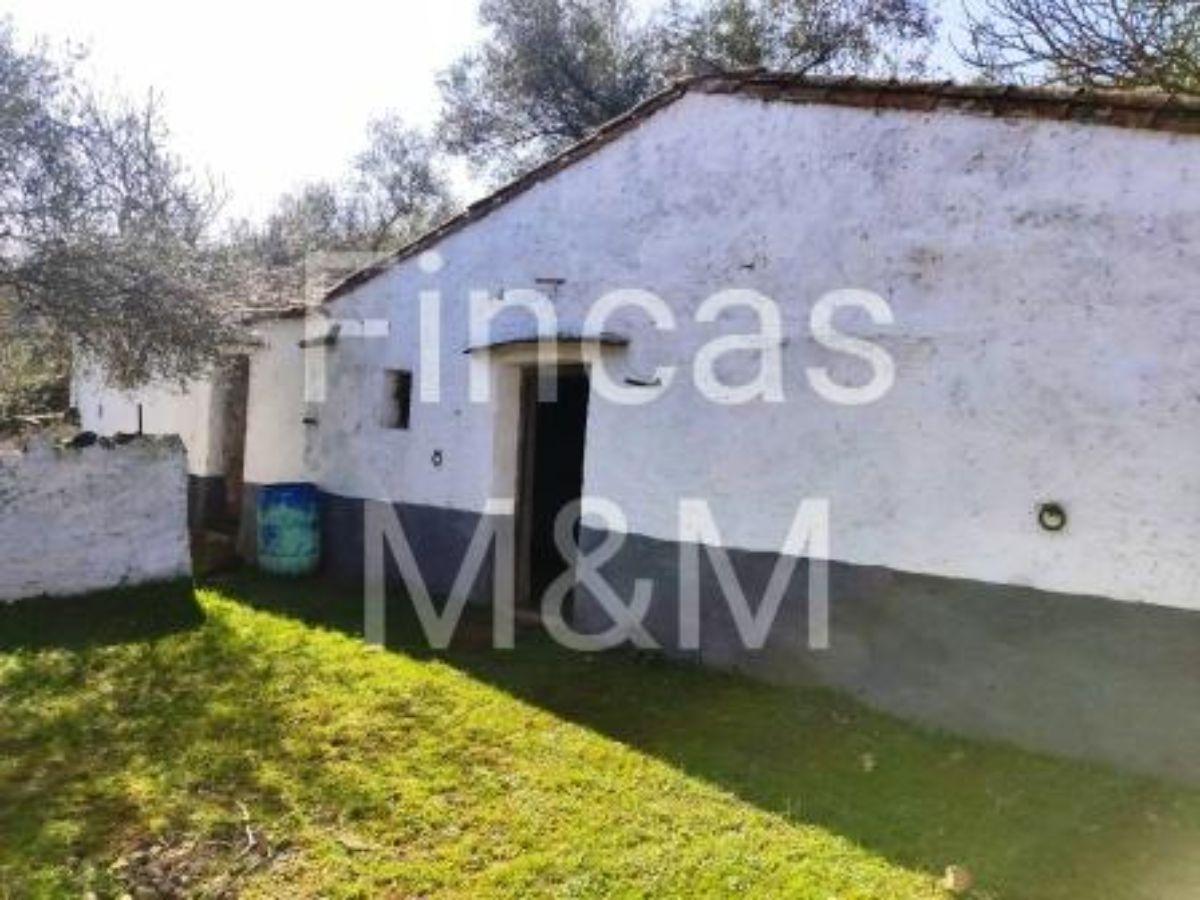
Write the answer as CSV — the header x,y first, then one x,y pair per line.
x,y
104,516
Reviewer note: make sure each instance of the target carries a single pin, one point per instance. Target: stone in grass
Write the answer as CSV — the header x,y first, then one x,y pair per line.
x,y
958,879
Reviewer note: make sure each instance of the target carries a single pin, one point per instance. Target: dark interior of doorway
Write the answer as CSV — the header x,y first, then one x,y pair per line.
x,y
552,447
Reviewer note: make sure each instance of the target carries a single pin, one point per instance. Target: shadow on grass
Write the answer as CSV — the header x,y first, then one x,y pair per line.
x,y
118,616
83,733
1027,825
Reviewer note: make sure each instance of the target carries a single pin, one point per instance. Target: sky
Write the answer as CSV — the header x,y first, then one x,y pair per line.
x,y
266,95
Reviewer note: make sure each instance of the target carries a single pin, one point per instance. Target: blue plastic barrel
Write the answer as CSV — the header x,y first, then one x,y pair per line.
x,y
289,529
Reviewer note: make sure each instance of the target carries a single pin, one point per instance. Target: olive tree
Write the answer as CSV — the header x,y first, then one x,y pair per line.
x,y
1099,43
105,238
844,37
394,189
551,71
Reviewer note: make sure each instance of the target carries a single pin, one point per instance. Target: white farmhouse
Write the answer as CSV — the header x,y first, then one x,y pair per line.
x,y
1007,449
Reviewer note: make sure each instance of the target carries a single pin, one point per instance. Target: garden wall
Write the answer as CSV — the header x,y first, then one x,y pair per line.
x,y
81,519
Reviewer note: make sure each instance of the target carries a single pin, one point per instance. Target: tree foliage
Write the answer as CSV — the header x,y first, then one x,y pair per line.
x,y
34,367
1101,43
104,236
550,72
802,36
396,188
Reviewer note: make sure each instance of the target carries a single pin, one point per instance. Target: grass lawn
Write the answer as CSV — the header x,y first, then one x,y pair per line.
x,y
248,744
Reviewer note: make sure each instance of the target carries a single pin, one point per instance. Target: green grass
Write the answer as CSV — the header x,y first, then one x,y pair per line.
x,y
251,745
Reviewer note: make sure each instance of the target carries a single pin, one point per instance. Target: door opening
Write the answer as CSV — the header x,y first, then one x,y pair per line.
x,y
551,474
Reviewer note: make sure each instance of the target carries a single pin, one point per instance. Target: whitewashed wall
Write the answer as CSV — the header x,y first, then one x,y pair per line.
x,y
275,433
166,409
1043,278
73,521
275,430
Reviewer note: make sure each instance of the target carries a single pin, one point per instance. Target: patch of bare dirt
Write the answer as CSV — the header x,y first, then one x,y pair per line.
x,y
215,867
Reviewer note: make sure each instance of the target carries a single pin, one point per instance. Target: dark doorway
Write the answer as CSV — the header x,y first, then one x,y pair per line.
x,y
552,446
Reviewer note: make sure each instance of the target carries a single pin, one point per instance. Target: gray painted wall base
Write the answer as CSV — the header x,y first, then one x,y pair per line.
x,y
1079,676
438,537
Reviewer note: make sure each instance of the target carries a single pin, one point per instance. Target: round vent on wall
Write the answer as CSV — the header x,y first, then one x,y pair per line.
x,y
1052,517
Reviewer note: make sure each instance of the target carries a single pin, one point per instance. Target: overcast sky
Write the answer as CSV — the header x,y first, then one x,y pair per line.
x,y
266,95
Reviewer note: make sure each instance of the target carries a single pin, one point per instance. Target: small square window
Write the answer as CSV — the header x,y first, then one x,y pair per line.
x,y
397,398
